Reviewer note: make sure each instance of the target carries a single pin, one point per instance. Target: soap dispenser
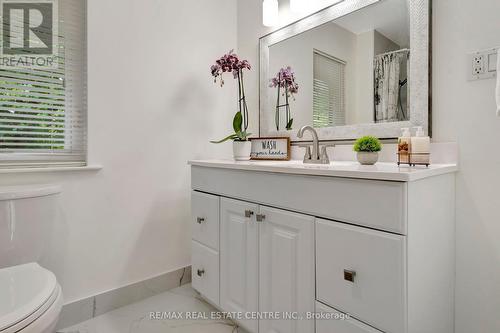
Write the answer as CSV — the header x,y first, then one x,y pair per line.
x,y
420,148
404,147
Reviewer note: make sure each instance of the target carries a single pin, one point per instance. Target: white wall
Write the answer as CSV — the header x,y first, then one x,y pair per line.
x,y
464,112
152,106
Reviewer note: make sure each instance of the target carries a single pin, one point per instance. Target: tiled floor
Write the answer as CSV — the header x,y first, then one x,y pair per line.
x,y
136,318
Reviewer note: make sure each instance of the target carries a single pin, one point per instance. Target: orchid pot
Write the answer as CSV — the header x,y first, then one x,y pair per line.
x,y
242,150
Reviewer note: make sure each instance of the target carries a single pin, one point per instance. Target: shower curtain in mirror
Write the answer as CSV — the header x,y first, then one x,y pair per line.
x,y
387,86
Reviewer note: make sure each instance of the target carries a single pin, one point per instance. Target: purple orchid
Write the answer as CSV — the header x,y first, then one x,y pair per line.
x,y
229,63
285,79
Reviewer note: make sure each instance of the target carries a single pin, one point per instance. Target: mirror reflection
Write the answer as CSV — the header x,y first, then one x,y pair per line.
x,y
353,70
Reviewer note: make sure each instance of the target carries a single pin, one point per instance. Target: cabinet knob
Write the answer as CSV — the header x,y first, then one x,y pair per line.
x,y
200,272
260,217
200,220
248,213
349,275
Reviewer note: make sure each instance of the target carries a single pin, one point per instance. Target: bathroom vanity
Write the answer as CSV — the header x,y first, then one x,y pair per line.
x,y
290,240
287,239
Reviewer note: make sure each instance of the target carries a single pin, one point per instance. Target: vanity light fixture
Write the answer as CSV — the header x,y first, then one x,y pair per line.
x,y
270,13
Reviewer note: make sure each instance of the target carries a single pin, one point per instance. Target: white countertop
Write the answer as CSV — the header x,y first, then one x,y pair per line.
x,y
380,171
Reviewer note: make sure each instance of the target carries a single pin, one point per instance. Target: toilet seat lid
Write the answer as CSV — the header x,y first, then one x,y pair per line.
x,y
23,290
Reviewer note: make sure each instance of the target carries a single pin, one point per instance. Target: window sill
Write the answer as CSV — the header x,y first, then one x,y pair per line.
x,y
52,169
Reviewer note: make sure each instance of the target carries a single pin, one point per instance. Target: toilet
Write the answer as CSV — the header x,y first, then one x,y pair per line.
x,y
30,296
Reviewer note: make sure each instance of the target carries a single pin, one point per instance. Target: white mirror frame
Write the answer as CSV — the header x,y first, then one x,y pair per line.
x,y
420,73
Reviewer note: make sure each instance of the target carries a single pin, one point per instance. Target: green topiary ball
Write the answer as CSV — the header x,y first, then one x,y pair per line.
x,y
367,144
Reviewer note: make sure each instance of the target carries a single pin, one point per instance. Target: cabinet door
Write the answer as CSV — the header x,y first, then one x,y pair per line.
x,y
286,270
239,283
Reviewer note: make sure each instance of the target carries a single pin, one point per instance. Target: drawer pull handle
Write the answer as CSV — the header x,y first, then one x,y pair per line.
x,y
349,275
261,217
201,272
248,213
200,220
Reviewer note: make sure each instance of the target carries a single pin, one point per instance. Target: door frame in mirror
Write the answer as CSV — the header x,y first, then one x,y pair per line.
x,y
420,78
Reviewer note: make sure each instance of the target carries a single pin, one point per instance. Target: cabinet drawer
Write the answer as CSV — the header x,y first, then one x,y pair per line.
x,y
205,219
205,267
375,204
332,321
374,261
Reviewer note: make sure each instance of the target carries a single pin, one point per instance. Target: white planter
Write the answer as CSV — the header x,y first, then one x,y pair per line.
x,y
367,158
242,150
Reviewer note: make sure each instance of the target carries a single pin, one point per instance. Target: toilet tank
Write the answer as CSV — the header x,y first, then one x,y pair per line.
x,y
27,214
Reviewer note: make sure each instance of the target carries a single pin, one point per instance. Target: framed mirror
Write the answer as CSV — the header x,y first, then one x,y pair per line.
x,y
359,67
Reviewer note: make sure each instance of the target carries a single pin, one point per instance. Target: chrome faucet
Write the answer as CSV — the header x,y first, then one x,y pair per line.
x,y
315,146
314,157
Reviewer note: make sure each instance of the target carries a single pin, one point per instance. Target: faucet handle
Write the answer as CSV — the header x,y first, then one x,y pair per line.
x,y
324,155
324,152
308,154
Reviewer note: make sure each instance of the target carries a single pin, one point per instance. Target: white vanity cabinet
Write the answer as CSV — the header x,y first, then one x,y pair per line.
x,y
374,248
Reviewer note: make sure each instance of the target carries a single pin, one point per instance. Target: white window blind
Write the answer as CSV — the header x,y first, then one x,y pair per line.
x,y
328,91
43,113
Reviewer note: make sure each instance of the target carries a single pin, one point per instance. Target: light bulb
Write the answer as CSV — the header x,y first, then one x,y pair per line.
x,y
270,13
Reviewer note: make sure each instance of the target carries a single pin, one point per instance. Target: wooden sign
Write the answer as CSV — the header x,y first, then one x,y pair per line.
x,y
271,149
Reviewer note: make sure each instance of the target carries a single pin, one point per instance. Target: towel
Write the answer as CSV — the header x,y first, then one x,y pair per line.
x,y
498,82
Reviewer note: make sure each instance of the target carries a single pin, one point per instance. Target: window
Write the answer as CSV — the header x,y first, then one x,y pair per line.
x,y
328,91
43,111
